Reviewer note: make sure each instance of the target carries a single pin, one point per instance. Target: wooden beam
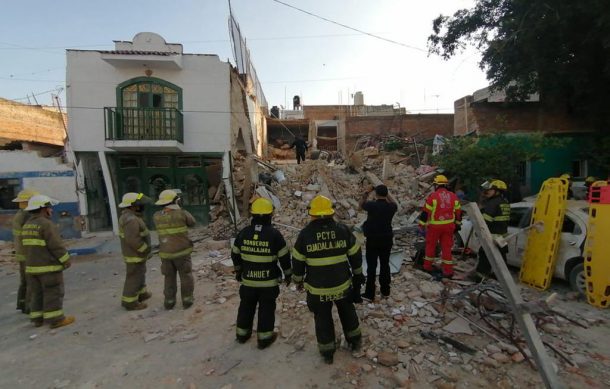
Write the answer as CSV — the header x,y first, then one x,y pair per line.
x,y
524,319
374,180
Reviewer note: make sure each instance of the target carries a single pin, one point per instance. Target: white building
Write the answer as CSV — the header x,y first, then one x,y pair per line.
x,y
147,117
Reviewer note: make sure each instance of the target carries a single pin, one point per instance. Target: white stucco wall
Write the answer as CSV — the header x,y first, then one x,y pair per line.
x,y
48,175
204,79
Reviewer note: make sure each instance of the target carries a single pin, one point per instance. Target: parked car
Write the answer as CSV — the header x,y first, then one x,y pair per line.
x,y
569,265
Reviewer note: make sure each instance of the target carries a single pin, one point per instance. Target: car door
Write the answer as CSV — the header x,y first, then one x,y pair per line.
x,y
520,217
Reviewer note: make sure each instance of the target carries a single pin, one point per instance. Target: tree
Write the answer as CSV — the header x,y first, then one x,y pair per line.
x,y
558,48
499,156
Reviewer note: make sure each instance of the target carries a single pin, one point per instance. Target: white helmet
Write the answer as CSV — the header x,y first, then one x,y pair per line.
x,y
40,201
167,197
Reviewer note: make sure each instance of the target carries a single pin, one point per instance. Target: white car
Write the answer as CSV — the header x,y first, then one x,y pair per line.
x,y
569,265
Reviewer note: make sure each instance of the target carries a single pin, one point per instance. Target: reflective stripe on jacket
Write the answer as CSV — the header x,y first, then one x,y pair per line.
x,y
256,252
43,247
172,226
135,238
325,256
442,207
496,212
18,221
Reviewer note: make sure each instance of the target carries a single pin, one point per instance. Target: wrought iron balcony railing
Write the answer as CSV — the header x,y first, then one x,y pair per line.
x,y
143,124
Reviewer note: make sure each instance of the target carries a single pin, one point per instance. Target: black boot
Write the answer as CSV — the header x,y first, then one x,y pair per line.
x,y
264,343
328,357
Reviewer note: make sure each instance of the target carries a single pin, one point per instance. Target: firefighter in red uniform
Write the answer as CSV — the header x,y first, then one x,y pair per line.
x,y
255,254
328,259
440,217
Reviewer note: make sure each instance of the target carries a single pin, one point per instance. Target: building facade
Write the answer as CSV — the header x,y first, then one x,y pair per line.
x,y
146,117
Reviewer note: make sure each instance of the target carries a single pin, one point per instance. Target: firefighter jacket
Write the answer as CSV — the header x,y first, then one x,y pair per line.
x,y
255,254
172,223
43,248
442,207
135,238
496,212
18,221
325,256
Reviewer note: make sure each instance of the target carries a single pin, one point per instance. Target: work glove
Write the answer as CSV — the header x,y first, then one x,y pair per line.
x,y
458,226
358,279
287,280
238,276
67,264
421,231
299,286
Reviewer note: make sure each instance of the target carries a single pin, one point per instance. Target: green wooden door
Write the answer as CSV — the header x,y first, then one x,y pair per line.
x,y
191,179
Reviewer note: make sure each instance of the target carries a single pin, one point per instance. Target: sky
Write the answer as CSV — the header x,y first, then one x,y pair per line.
x,y
294,53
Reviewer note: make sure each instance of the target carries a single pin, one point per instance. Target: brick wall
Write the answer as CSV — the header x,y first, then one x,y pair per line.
x,y
30,123
484,118
423,126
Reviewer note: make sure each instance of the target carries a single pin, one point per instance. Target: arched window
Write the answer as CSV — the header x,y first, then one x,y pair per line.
x,y
149,92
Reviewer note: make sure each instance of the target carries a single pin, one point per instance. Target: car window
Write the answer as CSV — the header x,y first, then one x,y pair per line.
x,y
516,216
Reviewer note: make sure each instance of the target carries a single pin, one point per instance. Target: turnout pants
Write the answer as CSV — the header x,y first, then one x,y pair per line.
x,y
378,248
483,266
300,156
46,297
184,268
444,234
250,298
135,283
325,326
23,295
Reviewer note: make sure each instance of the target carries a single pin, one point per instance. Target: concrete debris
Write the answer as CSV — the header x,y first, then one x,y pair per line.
x,y
458,326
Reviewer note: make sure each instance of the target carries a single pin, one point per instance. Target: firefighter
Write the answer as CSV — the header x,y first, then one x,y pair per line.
x,y
496,212
255,254
18,221
175,248
568,178
327,257
440,217
46,258
135,245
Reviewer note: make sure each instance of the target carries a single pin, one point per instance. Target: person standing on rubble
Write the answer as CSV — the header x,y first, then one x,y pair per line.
x,y
19,220
135,245
175,248
496,213
255,255
327,257
440,217
46,258
379,240
300,147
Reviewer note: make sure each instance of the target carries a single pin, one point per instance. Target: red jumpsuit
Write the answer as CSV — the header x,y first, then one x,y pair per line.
x,y
440,214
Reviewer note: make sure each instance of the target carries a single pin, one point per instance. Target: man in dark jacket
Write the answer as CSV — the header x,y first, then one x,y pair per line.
x,y
327,257
300,147
379,239
255,254
496,212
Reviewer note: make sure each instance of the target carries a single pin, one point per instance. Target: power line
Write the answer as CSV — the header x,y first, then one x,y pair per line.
x,y
352,28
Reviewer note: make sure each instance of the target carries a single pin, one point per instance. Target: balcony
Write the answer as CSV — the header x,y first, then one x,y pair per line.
x,y
141,129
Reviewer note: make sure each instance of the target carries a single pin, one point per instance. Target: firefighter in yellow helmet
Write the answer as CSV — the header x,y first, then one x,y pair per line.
x,y
255,253
46,258
440,217
327,258
588,183
568,178
19,220
175,248
135,245
495,209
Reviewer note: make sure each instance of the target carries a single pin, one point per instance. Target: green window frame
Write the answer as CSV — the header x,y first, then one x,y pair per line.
x,y
148,92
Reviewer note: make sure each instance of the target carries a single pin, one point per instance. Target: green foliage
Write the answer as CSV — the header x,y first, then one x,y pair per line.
x,y
559,48
476,159
598,154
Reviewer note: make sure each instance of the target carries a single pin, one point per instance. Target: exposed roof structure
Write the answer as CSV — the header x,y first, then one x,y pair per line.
x,y
30,123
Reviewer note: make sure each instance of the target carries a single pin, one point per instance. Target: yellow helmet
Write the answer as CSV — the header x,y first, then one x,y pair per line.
x,y
566,176
167,197
40,201
498,184
132,198
441,180
261,206
321,206
24,195
590,180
